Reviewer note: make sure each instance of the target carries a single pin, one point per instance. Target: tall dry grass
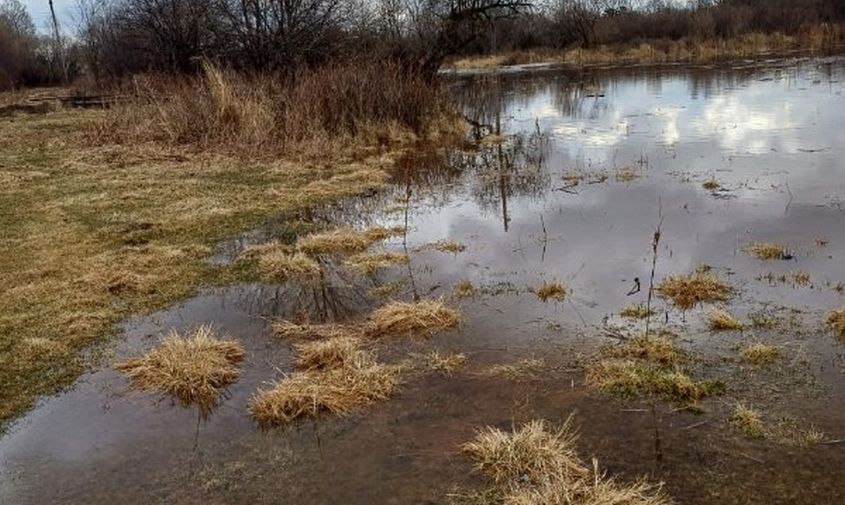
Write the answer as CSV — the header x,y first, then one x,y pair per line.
x,y
335,106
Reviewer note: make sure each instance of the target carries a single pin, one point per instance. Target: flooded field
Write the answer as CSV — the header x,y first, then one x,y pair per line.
x,y
566,181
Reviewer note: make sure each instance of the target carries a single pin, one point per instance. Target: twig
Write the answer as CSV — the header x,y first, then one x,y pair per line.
x,y
654,244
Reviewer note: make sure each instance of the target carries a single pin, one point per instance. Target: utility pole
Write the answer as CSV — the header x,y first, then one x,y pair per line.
x,y
57,41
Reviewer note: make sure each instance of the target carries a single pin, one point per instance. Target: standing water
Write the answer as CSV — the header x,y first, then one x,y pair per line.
x,y
567,180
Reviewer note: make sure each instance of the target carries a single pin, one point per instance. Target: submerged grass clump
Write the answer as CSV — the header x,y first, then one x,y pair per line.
x,y
444,363
327,354
446,246
836,320
463,289
415,318
344,240
277,264
336,391
537,464
639,311
294,331
524,369
749,421
193,368
759,354
550,291
632,379
658,349
720,319
370,263
711,184
687,291
800,277
766,251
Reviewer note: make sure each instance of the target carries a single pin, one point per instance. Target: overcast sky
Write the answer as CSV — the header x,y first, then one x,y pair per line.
x,y
40,12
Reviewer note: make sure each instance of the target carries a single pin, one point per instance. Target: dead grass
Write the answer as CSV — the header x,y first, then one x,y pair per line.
x,y
443,363
370,263
463,289
344,240
537,464
836,320
105,214
657,349
627,174
749,421
800,277
759,354
336,391
524,369
446,246
327,354
295,332
687,291
632,379
276,262
812,38
550,291
766,251
711,184
636,312
720,319
421,318
195,368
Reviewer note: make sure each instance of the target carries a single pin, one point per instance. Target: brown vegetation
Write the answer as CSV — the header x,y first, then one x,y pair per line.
x,y
444,363
194,368
524,369
658,349
633,379
766,251
294,331
550,290
344,240
421,318
720,319
636,312
335,352
759,354
537,464
687,291
836,320
370,263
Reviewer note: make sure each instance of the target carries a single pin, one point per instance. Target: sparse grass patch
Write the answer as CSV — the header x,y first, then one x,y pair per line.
x,y
387,290
800,277
749,421
766,251
537,464
632,379
294,331
759,354
720,319
524,369
416,318
444,363
343,240
447,246
657,349
336,391
687,291
370,263
627,174
464,289
276,263
550,291
639,311
327,354
711,184
194,368
836,320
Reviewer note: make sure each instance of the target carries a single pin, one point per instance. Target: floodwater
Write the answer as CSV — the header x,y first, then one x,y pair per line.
x,y
590,165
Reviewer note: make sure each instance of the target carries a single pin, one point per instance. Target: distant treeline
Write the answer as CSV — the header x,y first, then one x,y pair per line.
x,y
115,38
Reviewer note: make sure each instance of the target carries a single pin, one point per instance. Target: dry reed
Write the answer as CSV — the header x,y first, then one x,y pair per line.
x,y
687,291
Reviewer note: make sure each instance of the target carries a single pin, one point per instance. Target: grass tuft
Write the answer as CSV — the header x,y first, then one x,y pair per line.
x,y
194,368
524,369
632,379
446,246
327,354
687,291
537,464
421,318
550,290
759,354
711,184
658,349
370,263
766,251
444,363
294,331
836,320
636,312
344,240
464,289
276,263
749,421
720,319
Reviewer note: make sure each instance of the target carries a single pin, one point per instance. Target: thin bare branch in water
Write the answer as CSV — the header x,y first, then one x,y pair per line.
x,y
654,245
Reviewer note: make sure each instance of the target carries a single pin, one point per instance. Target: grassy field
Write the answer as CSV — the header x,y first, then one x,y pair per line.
x,y
94,231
